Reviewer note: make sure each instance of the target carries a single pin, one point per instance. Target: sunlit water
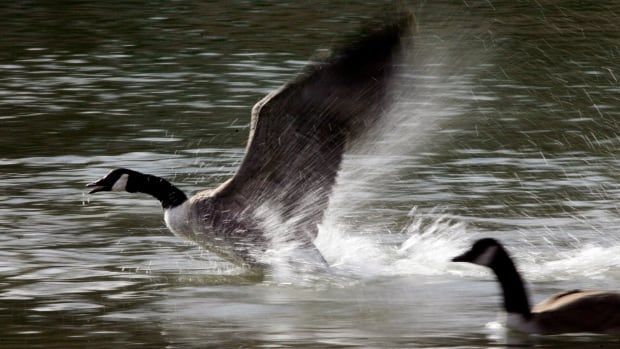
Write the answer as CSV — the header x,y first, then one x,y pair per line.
x,y
506,126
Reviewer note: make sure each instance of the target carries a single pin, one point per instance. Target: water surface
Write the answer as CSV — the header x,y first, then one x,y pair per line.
x,y
507,126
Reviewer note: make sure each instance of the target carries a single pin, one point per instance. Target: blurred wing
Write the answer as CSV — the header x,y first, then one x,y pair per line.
x,y
299,132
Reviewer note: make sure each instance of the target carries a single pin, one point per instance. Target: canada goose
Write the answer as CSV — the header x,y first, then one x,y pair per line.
x,y
565,312
298,134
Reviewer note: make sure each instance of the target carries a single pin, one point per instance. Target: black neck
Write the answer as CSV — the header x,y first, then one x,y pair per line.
x,y
169,195
515,295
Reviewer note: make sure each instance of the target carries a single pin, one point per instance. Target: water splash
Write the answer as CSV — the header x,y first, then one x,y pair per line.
x,y
426,94
424,247
289,261
592,261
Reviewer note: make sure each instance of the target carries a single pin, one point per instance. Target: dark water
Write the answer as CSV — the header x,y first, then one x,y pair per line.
x,y
508,128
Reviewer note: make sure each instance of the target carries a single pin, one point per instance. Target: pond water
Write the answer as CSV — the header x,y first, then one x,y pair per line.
x,y
507,127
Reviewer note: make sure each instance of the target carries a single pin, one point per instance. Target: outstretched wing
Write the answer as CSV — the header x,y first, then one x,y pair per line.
x,y
299,132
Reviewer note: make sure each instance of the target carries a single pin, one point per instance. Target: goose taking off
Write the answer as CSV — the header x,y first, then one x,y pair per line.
x,y
565,312
298,135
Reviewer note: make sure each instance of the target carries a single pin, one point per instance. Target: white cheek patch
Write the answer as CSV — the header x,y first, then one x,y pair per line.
x,y
486,257
120,183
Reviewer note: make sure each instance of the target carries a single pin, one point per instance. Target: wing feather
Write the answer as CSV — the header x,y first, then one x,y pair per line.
x,y
299,132
580,311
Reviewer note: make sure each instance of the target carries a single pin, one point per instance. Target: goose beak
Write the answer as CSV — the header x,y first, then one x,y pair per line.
x,y
461,258
96,186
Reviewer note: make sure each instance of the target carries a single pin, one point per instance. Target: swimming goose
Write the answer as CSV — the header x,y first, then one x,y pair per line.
x,y
298,134
566,312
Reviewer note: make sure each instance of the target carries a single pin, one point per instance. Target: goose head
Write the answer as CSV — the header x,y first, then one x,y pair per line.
x,y
482,252
120,179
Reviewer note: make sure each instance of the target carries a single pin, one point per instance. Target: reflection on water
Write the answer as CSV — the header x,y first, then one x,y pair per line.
x,y
507,126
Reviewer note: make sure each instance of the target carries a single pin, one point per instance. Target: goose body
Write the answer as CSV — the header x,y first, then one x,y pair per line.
x,y
298,134
566,312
